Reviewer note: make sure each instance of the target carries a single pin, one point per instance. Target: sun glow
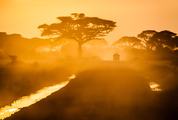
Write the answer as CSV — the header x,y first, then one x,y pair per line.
x,y
48,49
155,86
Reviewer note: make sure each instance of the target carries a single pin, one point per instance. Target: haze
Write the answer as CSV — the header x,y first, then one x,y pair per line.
x,y
132,16
73,72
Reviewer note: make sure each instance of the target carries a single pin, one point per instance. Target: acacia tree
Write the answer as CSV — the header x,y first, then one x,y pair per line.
x,y
79,28
130,42
158,40
146,37
165,39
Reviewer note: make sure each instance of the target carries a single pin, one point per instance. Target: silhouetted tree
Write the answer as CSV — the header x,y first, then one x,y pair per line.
x,y
164,39
79,27
3,36
152,39
146,36
129,41
175,39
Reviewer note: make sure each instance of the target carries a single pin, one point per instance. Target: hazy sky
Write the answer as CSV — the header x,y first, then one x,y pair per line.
x,y
132,16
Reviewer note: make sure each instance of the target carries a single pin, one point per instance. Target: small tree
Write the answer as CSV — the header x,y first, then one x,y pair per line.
x,y
130,42
80,28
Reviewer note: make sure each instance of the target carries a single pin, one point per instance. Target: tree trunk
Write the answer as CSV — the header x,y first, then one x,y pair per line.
x,y
80,52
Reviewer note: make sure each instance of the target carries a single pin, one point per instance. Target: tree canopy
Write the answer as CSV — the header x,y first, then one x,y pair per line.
x,y
129,41
165,39
145,37
152,40
79,27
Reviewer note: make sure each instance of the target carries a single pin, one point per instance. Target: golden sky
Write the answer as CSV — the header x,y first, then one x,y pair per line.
x,y
132,16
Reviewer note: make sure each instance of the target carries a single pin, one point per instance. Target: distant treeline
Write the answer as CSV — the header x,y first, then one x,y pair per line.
x,y
151,40
83,29
148,40
17,45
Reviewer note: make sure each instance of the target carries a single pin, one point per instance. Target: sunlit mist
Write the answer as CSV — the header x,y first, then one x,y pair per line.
x,y
89,59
